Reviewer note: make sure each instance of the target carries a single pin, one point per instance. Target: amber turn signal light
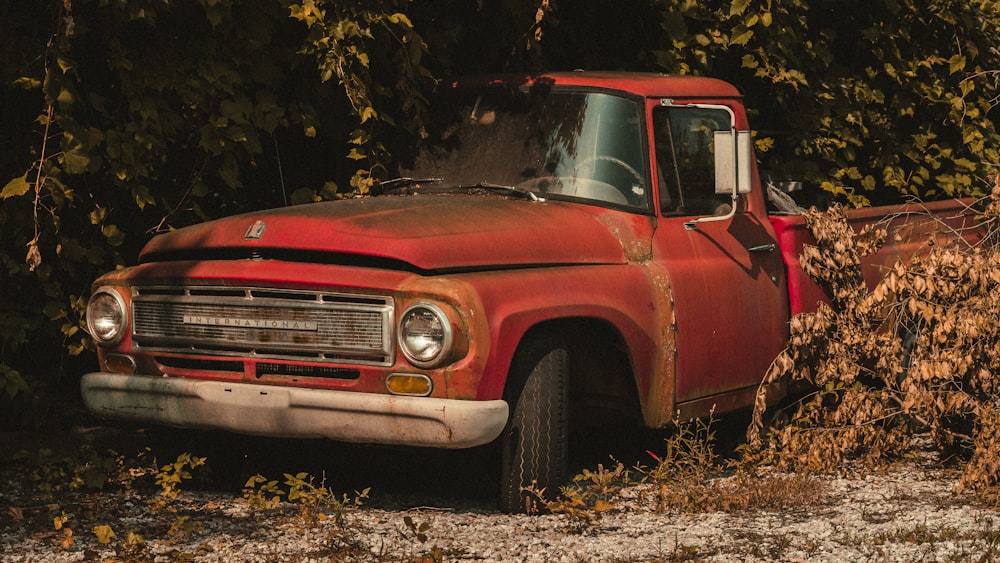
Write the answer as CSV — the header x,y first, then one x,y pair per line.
x,y
417,385
117,363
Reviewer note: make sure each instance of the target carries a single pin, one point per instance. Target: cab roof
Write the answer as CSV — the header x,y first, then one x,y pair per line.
x,y
646,84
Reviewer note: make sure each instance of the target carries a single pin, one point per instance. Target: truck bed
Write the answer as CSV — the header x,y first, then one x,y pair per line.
x,y
909,227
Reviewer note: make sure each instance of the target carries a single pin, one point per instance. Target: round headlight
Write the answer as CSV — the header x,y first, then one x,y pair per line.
x,y
424,335
106,317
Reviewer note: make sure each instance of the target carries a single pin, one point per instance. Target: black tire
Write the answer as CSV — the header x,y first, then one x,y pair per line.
x,y
536,440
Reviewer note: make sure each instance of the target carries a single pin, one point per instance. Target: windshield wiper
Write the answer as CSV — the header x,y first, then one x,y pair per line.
x,y
403,182
507,190
406,181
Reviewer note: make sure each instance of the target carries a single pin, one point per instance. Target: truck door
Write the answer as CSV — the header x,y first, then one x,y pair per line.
x,y
726,276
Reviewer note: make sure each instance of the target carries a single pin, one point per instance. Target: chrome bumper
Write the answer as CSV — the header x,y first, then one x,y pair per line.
x,y
265,410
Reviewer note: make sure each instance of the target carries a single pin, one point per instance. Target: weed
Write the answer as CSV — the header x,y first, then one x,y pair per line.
x,y
763,547
171,475
66,539
414,530
687,477
921,534
84,469
683,552
690,478
587,498
262,494
689,454
301,490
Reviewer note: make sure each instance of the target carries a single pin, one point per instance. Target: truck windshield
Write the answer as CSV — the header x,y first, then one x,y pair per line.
x,y
556,143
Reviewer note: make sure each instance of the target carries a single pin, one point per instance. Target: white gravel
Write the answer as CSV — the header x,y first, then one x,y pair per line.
x,y
906,514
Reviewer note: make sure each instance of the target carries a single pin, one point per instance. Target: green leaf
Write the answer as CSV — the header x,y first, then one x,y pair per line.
x,y
114,235
65,97
741,36
738,7
28,83
400,19
16,187
12,381
302,195
75,163
142,197
956,64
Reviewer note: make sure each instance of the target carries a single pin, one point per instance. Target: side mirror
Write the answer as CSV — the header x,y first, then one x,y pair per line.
x,y
733,162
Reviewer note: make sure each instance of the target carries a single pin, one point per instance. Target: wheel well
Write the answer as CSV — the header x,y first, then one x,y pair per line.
x,y
602,384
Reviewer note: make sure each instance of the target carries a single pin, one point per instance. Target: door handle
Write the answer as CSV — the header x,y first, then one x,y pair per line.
x,y
769,247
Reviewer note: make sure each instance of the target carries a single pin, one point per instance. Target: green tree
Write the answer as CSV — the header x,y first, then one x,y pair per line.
x,y
869,100
134,117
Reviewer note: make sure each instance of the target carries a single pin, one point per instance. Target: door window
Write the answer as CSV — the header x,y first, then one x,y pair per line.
x,y
685,159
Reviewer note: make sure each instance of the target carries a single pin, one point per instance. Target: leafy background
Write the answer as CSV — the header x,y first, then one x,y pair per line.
x,y
124,118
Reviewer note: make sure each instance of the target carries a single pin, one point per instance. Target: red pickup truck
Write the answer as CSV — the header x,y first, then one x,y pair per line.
x,y
560,248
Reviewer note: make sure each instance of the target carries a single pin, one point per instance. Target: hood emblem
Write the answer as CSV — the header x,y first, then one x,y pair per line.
x,y
255,231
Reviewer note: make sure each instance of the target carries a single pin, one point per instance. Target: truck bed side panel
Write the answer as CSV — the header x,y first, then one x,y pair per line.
x,y
909,229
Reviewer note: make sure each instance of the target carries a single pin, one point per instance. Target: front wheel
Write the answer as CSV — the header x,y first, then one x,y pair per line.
x,y
535,442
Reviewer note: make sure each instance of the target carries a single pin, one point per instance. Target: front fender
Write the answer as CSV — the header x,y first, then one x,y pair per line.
x,y
626,297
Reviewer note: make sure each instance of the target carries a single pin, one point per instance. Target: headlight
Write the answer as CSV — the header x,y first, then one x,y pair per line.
x,y
425,335
106,317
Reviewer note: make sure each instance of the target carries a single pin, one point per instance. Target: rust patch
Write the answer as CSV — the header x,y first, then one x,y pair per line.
x,y
658,389
633,232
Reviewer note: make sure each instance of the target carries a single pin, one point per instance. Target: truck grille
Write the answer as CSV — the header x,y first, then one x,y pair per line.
x,y
264,323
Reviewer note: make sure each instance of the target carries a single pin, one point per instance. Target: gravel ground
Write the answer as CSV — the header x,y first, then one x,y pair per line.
x,y
908,513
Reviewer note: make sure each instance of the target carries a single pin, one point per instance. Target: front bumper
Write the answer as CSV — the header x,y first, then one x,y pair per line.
x,y
267,410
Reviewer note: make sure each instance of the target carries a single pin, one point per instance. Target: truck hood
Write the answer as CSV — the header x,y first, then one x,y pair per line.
x,y
426,232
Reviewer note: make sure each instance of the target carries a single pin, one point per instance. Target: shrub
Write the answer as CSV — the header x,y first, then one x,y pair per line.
x,y
910,363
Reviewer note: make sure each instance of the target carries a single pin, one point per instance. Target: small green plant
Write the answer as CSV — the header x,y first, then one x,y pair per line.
x,y
313,499
415,530
262,494
584,501
303,491
316,502
171,475
83,469
66,539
